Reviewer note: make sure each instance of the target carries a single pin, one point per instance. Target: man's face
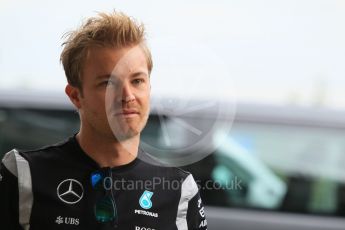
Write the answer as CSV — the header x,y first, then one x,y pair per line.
x,y
116,91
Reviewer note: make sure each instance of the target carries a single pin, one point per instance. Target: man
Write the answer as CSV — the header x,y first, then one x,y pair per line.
x,y
97,179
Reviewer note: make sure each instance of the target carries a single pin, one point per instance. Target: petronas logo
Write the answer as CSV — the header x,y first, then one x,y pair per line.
x,y
145,200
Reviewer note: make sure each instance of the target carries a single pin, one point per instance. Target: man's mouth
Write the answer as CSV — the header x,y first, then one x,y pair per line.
x,y
127,113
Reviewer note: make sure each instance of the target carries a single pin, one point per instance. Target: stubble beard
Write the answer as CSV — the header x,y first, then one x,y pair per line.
x,y
123,130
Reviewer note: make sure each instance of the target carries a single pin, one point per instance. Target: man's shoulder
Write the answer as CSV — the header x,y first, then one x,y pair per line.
x,y
45,152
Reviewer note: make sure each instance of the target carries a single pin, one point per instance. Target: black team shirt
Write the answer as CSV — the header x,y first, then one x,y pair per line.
x,y
50,189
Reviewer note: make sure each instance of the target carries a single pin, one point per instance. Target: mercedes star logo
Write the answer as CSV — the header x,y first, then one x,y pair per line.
x,y
70,191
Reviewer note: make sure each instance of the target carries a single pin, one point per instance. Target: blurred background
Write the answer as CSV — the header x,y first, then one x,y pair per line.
x,y
278,64
283,52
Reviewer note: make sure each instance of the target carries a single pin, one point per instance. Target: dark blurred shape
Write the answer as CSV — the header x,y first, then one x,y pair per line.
x,y
298,195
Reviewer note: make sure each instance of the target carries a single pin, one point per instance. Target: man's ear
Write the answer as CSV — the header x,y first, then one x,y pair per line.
x,y
74,95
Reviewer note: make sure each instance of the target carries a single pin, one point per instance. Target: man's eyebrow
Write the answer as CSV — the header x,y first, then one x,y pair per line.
x,y
104,76
139,73
107,76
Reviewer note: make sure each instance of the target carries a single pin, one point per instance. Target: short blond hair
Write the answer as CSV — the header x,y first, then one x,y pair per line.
x,y
113,29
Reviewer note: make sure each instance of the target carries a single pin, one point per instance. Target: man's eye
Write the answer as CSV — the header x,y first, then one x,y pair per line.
x,y
108,82
138,81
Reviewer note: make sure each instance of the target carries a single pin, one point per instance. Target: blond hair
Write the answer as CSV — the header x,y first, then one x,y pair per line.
x,y
106,30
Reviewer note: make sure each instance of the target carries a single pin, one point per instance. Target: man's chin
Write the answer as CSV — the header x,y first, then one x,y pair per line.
x,y
121,135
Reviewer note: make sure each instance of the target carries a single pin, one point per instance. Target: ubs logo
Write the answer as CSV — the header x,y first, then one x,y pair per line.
x,y
67,220
70,191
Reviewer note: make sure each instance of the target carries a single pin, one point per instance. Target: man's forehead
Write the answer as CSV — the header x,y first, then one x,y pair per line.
x,y
115,53
133,60
129,60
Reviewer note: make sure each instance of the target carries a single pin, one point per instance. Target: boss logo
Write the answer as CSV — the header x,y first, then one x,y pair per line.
x,y
143,228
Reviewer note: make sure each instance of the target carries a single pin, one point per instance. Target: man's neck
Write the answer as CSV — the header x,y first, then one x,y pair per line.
x,y
108,152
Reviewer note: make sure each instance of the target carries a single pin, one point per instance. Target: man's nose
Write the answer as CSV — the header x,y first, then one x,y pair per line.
x,y
127,93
